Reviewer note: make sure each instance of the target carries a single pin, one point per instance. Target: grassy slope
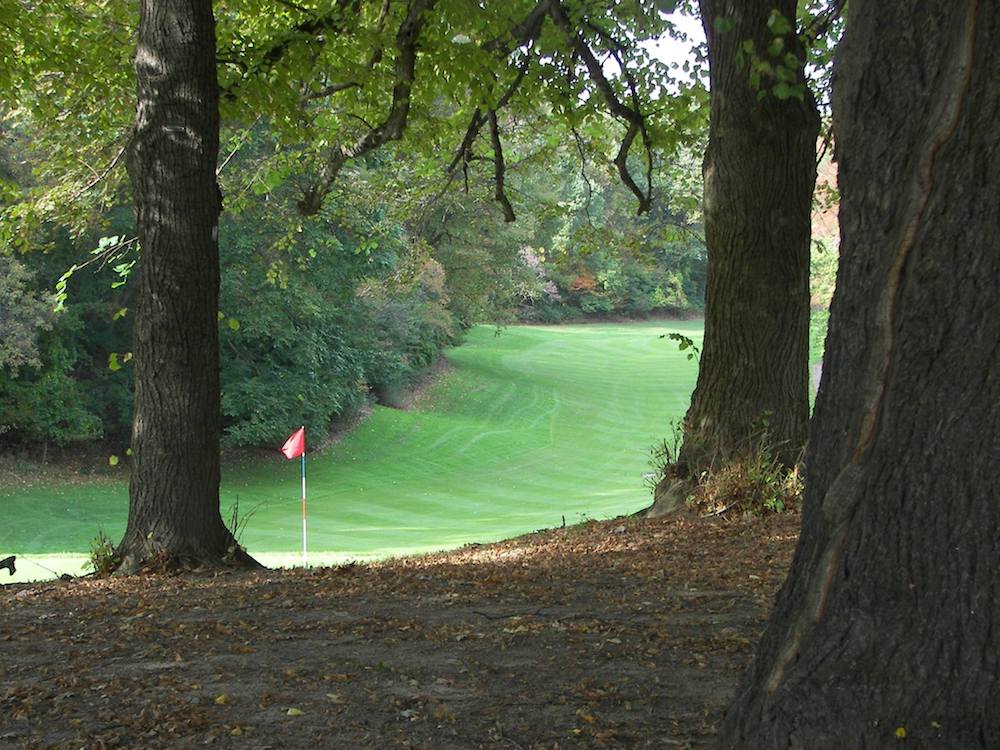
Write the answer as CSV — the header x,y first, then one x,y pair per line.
x,y
533,425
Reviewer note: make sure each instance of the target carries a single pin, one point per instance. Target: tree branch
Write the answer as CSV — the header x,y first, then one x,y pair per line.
x,y
465,147
243,140
631,115
463,154
822,22
106,171
330,90
583,173
618,50
336,21
376,56
522,33
499,169
392,127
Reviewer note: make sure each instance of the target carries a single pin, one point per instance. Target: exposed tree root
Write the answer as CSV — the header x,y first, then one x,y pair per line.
x,y
137,559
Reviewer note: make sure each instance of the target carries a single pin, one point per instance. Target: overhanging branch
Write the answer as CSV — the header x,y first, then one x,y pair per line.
x,y
631,115
499,169
336,21
463,154
392,127
521,33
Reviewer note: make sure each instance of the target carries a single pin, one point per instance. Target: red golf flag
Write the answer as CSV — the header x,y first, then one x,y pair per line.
x,y
295,446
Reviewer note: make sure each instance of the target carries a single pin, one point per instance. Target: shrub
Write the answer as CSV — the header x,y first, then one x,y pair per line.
x,y
753,483
103,557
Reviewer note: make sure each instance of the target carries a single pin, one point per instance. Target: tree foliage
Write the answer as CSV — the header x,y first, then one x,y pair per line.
x,y
338,79
22,314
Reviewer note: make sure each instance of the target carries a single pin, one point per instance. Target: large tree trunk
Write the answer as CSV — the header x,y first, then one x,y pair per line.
x,y
759,170
889,622
174,492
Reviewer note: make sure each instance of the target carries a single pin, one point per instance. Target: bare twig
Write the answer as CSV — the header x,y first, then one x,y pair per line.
x,y
106,171
540,612
236,148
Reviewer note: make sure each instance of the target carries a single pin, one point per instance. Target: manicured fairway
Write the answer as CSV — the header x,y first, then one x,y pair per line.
x,y
532,426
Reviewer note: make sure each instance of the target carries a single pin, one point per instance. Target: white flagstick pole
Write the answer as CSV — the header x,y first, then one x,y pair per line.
x,y
305,561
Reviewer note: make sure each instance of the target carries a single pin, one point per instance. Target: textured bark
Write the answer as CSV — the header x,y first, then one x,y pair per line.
x,y
174,492
890,618
759,170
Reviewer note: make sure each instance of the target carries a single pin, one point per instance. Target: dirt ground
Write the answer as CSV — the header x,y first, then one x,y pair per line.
x,y
624,633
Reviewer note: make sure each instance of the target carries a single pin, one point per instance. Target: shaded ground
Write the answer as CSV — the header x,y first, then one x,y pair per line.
x,y
626,633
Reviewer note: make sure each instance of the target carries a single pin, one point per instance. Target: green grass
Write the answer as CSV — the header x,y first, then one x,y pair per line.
x,y
532,425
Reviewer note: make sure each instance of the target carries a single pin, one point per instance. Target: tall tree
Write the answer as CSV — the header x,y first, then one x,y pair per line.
x,y
759,173
889,623
174,489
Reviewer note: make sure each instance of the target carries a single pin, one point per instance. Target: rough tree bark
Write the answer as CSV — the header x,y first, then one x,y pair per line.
x,y
759,171
890,619
174,491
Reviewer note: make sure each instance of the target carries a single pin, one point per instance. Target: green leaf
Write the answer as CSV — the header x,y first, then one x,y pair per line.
x,y
778,24
113,364
234,324
784,74
723,25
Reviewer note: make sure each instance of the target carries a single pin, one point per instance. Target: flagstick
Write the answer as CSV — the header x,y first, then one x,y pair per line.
x,y
305,561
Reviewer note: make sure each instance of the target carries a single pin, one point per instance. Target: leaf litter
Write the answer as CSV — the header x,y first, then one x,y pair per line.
x,y
624,633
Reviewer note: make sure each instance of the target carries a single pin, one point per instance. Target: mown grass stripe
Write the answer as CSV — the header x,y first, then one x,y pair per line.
x,y
533,425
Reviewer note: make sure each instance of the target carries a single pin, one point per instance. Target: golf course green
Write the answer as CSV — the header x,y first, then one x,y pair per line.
x,y
532,426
